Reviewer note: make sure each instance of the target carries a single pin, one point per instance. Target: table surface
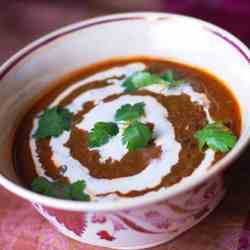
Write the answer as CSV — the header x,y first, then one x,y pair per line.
x,y
21,228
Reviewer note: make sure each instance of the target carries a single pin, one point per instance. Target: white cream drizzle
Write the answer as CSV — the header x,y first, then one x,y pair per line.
x,y
198,172
126,71
164,132
35,156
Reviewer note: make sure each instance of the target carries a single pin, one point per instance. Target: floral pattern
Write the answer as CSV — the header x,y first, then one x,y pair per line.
x,y
140,227
74,221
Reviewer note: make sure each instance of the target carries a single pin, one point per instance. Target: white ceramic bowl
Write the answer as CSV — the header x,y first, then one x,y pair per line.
x,y
144,221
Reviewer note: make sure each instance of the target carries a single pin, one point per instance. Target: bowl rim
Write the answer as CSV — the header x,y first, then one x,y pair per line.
x,y
141,200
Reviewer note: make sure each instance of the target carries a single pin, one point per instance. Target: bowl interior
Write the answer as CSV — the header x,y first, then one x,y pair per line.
x,y
173,37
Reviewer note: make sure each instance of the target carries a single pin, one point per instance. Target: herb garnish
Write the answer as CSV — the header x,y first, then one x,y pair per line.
x,y
101,133
130,112
60,189
53,122
169,79
216,136
141,79
137,135
144,78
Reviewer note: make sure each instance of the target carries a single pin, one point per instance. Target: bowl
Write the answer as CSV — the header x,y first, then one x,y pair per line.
x,y
144,221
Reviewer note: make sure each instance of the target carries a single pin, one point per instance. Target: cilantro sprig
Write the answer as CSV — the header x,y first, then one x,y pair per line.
x,y
217,137
144,78
136,136
60,189
130,112
141,79
170,79
53,122
102,133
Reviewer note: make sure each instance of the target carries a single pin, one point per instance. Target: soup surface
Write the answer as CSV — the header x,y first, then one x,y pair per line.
x,y
159,150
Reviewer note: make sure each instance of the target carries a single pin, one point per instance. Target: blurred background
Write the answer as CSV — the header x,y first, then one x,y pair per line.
x,y
22,21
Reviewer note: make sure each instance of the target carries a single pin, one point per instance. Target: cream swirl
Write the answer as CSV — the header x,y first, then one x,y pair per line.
x,y
105,111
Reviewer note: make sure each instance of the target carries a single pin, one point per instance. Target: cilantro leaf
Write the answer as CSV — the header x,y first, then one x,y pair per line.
x,y
169,79
53,122
130,112
216,136
141,79
136,136
101,133
60,189
41,185
77,191
145,78
168,76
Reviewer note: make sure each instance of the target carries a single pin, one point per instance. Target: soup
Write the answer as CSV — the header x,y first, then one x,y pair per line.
x,y
125,128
